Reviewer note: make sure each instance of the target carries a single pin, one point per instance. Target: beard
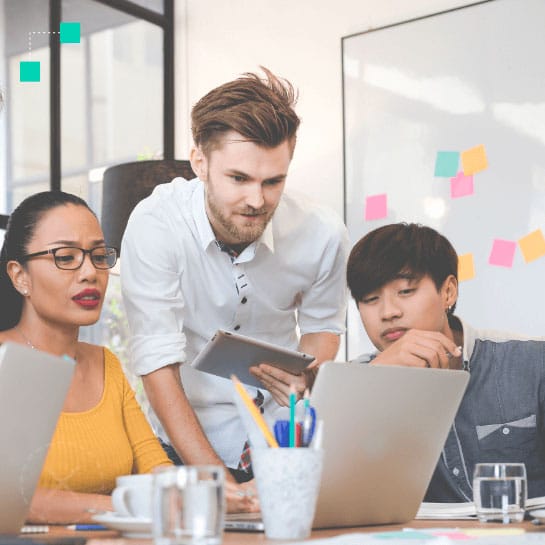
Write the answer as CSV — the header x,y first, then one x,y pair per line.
x,y
246,233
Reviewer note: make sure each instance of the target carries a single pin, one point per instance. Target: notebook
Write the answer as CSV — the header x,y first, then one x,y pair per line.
x,y
384,429
33,386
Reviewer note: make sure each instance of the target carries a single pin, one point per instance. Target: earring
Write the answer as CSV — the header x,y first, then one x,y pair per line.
x,y
25,292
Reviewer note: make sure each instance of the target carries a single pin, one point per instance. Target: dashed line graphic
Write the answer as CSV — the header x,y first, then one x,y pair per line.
x,y
69,33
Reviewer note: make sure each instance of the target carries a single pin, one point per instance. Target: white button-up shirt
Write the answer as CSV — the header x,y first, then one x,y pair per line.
x,y
179,288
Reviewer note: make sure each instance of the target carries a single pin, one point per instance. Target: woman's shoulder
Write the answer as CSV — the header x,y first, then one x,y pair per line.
x,y
101,353
8,336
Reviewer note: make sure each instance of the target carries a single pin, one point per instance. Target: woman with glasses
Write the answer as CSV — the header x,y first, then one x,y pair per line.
x,y
53,277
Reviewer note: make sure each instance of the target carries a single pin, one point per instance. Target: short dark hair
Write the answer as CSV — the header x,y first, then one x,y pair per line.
x,y
20,231
261,110
399,248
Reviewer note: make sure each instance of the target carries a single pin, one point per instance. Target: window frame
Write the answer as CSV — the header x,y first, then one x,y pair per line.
x,y
165,21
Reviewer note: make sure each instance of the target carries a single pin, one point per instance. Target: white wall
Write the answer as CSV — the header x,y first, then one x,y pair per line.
x,y
299,39
3,127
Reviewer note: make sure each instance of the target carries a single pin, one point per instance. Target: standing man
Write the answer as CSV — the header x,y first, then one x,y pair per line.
x,y
231,251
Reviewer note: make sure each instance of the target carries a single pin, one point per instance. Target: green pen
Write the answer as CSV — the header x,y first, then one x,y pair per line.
x,y
293,398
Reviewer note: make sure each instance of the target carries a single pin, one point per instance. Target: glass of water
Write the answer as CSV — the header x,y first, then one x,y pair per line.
x,y
499,492
188,505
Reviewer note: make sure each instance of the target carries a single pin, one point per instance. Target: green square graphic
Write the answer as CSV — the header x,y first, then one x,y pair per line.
x,y
70,33
29,71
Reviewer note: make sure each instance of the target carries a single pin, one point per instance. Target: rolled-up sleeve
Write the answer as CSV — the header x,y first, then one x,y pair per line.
x,y
151,269
323,304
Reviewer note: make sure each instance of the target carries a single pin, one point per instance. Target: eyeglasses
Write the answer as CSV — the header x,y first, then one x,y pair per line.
x,y
71,257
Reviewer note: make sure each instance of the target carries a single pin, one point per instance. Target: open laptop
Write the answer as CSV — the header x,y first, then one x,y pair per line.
x,y
384,429
33,387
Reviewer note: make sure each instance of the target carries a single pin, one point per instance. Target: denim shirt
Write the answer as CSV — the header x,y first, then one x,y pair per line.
x,y
501,417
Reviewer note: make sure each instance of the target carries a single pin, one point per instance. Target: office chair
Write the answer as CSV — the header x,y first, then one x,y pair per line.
x,y
3,221
127,184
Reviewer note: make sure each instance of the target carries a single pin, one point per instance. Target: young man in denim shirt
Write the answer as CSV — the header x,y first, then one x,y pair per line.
x,y
403,278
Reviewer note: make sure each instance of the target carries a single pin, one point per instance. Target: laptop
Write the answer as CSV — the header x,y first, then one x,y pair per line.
x,y
33,387
384,430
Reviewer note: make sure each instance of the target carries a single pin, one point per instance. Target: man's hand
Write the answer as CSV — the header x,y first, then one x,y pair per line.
x,y
419,348
278,381
323,346
241,498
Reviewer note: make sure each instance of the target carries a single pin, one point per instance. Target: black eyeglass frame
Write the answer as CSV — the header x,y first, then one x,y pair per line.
x,y
53,252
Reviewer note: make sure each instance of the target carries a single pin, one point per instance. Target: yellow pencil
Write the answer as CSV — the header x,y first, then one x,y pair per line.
x,y
254,411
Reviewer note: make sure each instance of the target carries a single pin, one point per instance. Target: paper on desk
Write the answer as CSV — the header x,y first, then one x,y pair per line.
x,y
512,536
446,511
463,510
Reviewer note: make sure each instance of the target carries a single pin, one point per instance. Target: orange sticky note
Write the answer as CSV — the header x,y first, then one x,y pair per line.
x,y
532,246
473,160
466,267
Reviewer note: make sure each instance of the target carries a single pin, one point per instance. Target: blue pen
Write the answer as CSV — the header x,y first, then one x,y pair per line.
x,y
282,432
86,527
309,423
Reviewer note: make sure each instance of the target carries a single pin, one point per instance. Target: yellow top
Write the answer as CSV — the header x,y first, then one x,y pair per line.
x,y
90,449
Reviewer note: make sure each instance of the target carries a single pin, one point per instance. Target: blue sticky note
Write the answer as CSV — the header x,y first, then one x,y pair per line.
x,y
446,163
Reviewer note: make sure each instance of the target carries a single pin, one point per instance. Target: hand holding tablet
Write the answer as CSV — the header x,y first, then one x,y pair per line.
x,y
230,353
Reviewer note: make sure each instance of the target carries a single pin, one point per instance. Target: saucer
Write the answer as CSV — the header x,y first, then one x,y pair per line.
x,y
538,514
128,526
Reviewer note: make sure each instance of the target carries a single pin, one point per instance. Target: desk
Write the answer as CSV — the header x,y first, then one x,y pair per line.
x,y
251,538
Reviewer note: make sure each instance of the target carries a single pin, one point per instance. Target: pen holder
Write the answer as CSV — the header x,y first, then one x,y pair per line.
x,y
288,481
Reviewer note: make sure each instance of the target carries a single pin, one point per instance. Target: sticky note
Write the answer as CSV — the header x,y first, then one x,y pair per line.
x,y
29,71
474,160
409,534
532,246
503,253
446,163
70,33
466,267
453,535
484,532
461,185
376,207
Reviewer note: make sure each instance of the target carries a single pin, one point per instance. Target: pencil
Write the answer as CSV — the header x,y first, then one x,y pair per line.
x,y
254,411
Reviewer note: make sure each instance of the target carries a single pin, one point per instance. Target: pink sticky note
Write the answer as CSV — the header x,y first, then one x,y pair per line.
x,y
461,185
376,207
503,253
455,536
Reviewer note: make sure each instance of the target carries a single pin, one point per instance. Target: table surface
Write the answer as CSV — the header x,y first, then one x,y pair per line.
x,y
258,538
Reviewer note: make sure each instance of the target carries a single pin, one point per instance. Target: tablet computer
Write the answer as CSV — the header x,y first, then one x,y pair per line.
x,y
229,353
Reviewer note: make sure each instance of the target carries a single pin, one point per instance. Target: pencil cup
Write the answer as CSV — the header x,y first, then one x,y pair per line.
x,y
288,480
188,505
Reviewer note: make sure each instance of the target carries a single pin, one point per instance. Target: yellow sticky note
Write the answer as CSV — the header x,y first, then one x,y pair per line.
x,y
473,160
466,267
484,532
532,246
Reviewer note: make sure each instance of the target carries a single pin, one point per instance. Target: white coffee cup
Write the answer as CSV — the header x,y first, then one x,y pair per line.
x,y
132,496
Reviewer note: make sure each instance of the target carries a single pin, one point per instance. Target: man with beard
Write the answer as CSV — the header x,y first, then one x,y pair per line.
x,y
229,250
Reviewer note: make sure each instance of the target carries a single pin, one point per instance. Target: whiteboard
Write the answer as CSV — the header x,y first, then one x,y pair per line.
x,y
449,82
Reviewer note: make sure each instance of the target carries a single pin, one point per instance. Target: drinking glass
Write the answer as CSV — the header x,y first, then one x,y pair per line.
x,y
188,505
499,492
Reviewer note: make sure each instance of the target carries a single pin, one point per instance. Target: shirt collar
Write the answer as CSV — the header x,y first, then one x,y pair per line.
x,y
469,343
204,229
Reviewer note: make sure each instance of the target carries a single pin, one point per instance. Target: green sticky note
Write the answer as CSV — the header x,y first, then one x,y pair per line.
x,y
446,163
70,33
29,71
